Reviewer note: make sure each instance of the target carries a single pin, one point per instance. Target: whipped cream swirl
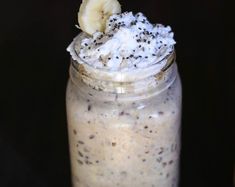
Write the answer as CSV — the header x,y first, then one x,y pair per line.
x,y
129,42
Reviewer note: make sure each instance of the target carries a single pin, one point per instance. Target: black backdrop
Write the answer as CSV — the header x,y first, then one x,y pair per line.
x,y
34,71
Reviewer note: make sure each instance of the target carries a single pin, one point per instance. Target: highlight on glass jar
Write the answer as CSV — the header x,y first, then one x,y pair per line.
x,y
123,101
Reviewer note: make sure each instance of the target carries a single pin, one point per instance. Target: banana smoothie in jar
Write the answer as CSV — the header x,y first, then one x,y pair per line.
x,y
123,100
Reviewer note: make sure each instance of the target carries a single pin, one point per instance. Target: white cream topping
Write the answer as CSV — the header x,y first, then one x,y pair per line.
x,y
129,42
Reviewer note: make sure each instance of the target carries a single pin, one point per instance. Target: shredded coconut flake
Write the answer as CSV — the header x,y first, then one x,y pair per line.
x,y
129,42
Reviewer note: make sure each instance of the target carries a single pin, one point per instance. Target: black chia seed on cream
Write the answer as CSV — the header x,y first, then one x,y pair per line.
x,y
125,35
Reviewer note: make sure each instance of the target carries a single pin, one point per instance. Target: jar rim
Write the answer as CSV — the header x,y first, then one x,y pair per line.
x,y
138,80
170,59
122,76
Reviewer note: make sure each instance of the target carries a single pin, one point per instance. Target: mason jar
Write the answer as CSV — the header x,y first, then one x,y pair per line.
x,y
124,127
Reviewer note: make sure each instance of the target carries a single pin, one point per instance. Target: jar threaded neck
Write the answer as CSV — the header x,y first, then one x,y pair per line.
x,y
140,80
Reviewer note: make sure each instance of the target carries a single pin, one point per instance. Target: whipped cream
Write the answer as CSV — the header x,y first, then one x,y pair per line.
x,y
129,42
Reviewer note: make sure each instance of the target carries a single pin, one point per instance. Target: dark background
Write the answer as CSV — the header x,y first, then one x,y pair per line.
x,y
34,72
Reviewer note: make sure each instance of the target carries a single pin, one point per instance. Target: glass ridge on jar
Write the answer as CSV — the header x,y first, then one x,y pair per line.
x,y
124,127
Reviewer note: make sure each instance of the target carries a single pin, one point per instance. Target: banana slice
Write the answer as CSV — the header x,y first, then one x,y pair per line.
x,y
93,14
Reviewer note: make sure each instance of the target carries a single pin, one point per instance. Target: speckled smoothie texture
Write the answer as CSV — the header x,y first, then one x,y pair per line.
x,y
123,141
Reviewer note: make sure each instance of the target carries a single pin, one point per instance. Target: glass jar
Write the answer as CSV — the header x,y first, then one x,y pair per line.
x,y
124,127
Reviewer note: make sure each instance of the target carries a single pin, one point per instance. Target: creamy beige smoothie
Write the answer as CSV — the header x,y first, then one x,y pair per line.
x,y
124,106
